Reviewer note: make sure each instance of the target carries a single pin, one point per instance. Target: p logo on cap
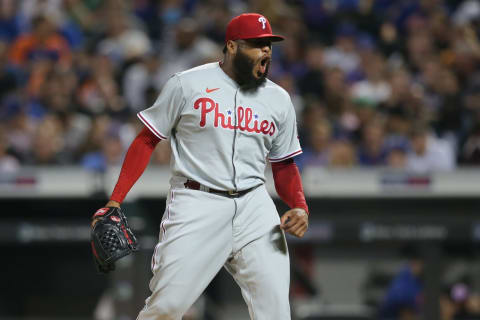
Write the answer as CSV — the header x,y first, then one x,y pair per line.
x,y
262,20
250,26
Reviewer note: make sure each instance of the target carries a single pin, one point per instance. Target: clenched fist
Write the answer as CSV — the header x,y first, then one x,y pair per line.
x,y
295,221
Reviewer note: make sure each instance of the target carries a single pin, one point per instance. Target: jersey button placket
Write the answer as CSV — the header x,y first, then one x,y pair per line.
x,y
235,125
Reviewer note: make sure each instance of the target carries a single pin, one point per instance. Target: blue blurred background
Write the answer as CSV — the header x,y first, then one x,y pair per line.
x,y
387,96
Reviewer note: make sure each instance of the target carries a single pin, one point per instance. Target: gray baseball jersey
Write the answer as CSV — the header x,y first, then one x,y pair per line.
x,y
220,135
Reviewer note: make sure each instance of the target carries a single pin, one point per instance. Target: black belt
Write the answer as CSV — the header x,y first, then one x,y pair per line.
x,y
194,185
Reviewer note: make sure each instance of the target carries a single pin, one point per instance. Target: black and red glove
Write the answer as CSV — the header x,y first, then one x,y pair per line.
x,y
111,238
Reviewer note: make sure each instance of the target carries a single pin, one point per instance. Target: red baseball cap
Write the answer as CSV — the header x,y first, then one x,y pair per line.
x,y
250,26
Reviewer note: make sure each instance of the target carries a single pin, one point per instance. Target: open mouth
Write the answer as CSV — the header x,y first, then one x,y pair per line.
x,y
263,64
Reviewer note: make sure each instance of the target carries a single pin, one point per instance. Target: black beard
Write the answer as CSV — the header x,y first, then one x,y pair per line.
x,y
243,71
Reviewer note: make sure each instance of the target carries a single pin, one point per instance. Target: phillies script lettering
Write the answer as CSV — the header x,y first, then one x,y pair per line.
x,y
244,118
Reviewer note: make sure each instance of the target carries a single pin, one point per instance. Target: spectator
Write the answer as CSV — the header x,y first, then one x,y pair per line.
x,y
84,14
401,93
420,48
311,84
20,132
57,94
389,42
138,79
122,41
404,297
429,153
397,150
335,89
450,114
100,127
8,163
470,153
47,145
313,113
110,154
187,47
465,306
342,155
43,42
317,154
397,158
8,76
287,82
292,59
100,93
466,12
372,150
374,89
471,102
343,54
364,16
11,22
214,17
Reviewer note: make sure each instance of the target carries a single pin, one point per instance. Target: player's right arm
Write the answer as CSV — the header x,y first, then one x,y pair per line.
x,y
135,163
159,120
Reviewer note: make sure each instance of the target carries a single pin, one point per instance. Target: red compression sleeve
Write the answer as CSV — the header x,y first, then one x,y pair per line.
x,y
289,184
136,160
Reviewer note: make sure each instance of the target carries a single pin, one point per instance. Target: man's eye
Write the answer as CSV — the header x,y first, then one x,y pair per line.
x,y
261,43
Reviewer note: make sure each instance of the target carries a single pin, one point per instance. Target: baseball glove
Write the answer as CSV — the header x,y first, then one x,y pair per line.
x,y
111,238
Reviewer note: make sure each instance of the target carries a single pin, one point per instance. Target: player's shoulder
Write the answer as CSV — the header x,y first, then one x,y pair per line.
x,y
272,87
278,98
275,91
199,71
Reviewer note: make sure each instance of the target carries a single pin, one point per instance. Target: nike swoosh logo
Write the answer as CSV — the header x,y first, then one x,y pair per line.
x,y
211,90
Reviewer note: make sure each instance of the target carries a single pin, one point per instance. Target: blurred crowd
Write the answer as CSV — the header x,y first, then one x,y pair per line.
x,y
405,296
374,83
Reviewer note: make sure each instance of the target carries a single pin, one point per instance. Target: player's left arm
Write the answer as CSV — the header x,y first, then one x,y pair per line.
x,y
288,184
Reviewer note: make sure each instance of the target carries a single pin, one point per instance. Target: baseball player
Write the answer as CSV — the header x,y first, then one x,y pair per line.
x,y
223,120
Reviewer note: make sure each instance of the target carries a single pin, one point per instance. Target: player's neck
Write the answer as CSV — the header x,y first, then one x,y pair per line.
x,y
227,67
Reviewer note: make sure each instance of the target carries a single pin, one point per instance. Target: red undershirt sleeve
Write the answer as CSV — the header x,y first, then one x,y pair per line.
x,y
136,160
288,184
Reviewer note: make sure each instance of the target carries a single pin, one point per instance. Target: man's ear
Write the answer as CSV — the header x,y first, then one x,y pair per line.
x,y
231,46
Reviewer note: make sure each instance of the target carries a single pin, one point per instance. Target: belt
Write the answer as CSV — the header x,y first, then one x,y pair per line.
x,y
194,185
